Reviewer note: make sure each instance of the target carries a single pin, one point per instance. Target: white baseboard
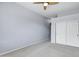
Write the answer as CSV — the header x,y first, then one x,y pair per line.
x,y
67,45
31,43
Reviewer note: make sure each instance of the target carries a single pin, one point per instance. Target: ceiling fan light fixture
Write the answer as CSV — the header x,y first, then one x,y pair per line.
x,y
45,7
45,4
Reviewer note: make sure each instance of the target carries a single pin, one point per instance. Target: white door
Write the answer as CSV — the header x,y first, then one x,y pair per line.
x,y
61,32
72,33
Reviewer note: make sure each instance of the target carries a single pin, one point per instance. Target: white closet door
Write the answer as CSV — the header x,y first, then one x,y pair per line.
x,y
72,33
61,32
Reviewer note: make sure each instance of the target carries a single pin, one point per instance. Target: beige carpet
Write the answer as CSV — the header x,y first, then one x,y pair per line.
x,y
45,49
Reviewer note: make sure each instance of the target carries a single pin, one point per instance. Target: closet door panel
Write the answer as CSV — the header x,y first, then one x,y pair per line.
x,y
72,33
61,32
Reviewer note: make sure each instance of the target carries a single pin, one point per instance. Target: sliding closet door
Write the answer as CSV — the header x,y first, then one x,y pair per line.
x,y
61,32
72,33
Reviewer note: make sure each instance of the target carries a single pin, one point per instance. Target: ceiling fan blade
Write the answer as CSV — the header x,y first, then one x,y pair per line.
x,y
52,3
38,2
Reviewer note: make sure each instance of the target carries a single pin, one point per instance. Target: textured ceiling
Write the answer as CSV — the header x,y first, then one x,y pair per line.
x,y
61,9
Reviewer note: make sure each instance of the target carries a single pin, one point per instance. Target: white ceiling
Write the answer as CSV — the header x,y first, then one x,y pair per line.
x,y
61,9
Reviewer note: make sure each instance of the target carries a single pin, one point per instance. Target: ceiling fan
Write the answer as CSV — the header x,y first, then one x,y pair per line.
x,y
45,4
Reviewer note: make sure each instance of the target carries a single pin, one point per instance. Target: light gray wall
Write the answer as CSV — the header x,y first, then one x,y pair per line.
x,y
20,27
